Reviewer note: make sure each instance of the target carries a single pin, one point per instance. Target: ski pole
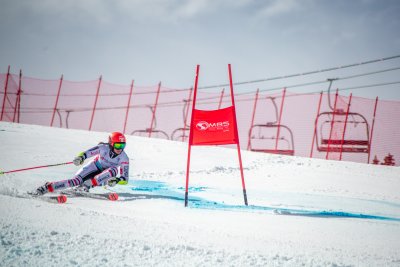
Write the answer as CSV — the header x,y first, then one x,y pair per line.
x,y
37,167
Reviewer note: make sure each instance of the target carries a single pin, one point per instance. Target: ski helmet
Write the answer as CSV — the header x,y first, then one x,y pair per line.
x,y
116,137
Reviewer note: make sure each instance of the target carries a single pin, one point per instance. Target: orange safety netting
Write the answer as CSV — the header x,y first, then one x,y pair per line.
x,y
326,126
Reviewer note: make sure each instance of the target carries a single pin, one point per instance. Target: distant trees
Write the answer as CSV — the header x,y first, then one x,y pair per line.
x,y
388,160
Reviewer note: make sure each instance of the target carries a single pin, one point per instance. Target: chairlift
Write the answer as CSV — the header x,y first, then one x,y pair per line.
x,y
153,131
342,131
355,127
266,137
182,133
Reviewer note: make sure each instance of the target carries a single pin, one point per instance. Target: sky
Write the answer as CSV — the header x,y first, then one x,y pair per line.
x,y
164,40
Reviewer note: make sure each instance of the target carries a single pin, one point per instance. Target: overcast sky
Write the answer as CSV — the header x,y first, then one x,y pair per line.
x,y
163,40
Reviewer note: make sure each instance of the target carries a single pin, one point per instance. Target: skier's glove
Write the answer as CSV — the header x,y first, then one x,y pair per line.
x,y
78,160
113,181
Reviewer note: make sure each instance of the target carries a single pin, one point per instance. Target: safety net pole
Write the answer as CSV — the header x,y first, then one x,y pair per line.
x,y
221,97
95,103
280,118
372,130
127,107
57,98
154,109
252,119
315,124
18,95
345,126
332,122
186,114
5,93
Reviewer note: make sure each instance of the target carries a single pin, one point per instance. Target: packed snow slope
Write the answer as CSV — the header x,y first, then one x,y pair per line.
x,y
302,212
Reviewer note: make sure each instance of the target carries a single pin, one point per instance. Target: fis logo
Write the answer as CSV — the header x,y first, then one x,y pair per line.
x,y
202,125
213,126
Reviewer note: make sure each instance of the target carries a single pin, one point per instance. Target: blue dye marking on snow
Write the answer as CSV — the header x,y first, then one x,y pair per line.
x,y
193,188
152,186
148,186
177,194
293,212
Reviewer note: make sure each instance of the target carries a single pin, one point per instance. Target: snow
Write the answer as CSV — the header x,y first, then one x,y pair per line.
x,y
341,213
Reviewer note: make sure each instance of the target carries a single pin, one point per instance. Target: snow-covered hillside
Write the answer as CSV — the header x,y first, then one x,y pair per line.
x,y
302,212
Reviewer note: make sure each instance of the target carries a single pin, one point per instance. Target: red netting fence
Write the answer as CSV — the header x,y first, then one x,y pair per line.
x,y
321,125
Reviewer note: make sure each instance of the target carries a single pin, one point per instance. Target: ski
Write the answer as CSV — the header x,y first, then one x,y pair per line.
x,y
59,199
74,192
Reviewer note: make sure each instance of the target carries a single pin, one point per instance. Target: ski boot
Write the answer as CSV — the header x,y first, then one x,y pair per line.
x,y
47,187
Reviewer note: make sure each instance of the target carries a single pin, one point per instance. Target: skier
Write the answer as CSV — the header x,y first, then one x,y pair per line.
x,y
109,166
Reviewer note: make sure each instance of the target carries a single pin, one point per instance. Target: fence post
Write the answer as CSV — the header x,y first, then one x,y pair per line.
x,y
58,96
127,107
5,93
18,93
19,99
279,122
95,103
252,118
154,109
186,114
220,98
315,124
372,130
345,126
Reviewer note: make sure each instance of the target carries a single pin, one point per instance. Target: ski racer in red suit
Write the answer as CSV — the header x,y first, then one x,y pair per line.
x,y
109,166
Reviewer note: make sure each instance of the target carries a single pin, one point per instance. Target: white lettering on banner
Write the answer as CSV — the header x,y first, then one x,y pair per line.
x,y
213,126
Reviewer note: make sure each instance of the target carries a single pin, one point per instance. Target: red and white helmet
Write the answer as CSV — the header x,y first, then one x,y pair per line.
x,y
116,137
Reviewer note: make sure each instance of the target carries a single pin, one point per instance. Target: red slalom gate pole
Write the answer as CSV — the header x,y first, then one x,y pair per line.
x,y
190,141
237,135
37,167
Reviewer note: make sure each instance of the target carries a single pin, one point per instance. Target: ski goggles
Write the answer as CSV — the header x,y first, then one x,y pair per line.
x,y
119,145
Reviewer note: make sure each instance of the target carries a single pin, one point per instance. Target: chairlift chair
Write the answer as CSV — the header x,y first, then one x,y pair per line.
x,y
352,142
264,137
262,134
354,130
154,131
182,133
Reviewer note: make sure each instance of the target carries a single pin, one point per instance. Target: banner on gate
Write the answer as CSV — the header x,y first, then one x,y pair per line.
x,y
214,127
